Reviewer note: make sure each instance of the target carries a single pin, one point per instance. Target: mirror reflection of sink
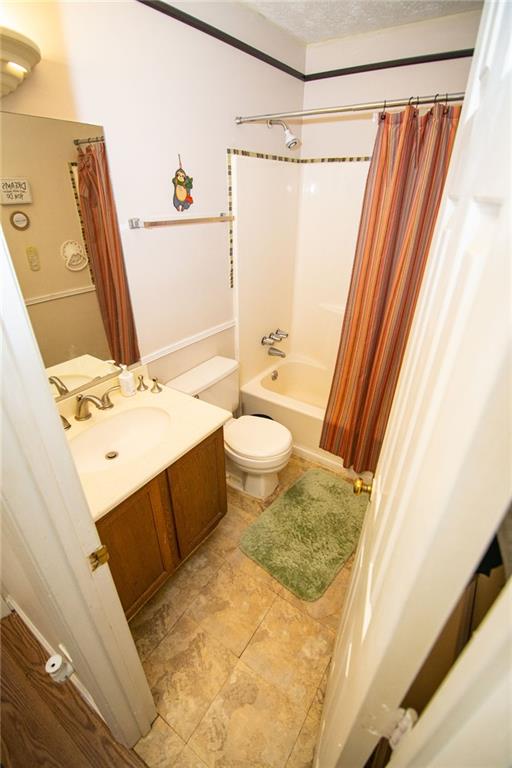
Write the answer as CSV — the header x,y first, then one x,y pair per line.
x,y
118,438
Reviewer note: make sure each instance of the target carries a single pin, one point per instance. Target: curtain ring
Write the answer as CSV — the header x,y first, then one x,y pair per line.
x,y
410,100
383,113
445,110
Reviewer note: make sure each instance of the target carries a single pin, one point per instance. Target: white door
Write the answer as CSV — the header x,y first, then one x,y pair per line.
x,y
443,481
48,533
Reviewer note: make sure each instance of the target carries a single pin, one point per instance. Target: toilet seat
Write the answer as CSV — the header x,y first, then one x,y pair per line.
x,y
257,440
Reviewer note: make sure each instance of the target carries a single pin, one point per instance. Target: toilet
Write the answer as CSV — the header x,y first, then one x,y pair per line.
x,y
256,448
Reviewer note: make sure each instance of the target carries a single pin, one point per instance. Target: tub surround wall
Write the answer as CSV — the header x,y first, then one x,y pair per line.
x,y
265,197
330,206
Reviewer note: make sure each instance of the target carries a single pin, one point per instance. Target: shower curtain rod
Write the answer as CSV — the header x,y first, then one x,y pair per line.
x,y
76,142
369,106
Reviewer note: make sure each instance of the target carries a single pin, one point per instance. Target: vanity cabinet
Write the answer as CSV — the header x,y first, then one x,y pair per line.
x,y
149,534
141,542
197,483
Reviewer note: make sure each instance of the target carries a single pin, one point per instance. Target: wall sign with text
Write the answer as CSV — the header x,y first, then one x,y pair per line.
x,y
15,192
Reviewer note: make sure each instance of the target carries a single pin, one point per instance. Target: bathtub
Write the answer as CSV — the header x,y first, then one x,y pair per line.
x,y
296,397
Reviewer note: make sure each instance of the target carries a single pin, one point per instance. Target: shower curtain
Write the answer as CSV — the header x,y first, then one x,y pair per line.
x,y
403,192
104,247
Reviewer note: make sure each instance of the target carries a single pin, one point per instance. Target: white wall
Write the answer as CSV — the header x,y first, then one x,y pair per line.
x,y
447,33
330,206
266,205
354,134
158,87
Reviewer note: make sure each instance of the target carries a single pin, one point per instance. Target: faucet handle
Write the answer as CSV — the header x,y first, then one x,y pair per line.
x,y
267,340
281,334
275,337
157,387
65,422
141,386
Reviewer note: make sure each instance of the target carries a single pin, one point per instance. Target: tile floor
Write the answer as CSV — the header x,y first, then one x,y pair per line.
x,y
236,663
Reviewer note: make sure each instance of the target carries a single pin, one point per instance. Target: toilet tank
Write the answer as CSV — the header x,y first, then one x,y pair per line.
x,y
215,381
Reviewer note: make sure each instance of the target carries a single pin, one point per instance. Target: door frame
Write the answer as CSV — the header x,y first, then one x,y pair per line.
x,y
48,533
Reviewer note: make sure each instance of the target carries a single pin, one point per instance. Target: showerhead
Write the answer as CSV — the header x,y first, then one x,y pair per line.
x,y
290,139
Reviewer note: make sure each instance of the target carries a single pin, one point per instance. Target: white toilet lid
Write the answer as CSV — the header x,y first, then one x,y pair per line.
x,y
255,437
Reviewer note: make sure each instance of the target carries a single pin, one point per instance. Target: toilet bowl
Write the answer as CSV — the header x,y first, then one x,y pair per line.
x,y
256,448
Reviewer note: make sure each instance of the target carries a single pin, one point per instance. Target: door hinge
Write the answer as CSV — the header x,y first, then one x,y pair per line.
x,y
405,724
98,557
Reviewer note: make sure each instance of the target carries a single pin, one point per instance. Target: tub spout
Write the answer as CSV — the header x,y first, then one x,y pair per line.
x,y
274,352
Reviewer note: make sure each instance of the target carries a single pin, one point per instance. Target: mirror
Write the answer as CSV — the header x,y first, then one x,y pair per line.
x,y
44,230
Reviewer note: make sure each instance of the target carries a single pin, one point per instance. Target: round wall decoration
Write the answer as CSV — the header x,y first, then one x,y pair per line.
x,y
19,220
74,255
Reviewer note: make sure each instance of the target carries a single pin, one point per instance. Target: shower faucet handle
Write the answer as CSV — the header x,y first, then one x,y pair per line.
x,y
275,337
281,334
267,340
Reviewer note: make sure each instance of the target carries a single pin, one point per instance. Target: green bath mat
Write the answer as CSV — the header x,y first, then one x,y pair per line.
x,y
307,533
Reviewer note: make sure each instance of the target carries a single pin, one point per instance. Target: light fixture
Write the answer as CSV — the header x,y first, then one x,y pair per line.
x,y
18,56
290,139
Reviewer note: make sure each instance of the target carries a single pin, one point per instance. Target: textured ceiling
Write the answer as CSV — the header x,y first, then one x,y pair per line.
x,y
316,20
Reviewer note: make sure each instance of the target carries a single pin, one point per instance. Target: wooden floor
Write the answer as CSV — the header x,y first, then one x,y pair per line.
x,y
44,724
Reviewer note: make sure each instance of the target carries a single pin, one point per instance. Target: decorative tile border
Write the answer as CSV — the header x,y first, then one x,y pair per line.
x,y
282,159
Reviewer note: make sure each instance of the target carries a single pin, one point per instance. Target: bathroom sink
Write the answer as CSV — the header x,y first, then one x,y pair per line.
x,y
119,438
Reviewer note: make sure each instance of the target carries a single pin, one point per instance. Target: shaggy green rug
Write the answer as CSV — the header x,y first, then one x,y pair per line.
x,y
305,536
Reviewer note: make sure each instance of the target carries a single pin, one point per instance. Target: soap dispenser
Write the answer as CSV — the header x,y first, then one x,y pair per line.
x,y
126,381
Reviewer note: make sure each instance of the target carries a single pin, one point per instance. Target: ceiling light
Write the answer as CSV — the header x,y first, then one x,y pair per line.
x,y
18,56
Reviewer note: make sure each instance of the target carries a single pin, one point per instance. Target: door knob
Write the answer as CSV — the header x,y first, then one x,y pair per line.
x,y
361,487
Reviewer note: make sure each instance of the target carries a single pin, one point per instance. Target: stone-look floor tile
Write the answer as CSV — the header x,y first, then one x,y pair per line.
x,y
185,673
291,651
248,503
231,607
188,759
250,568
234,523
251,724
197,571
150,625
161,746
327,609
303,751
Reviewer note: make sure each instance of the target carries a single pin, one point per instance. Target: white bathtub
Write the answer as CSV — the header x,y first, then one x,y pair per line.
x,y
297,398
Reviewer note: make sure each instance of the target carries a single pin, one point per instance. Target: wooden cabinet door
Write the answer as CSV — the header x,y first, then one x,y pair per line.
x,y
198,491
141,541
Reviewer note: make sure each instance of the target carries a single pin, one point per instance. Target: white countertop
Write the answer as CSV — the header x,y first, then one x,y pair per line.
x,y
191,421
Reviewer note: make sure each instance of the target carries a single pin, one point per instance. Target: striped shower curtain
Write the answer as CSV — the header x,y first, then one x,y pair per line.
x,y
403,192
103,240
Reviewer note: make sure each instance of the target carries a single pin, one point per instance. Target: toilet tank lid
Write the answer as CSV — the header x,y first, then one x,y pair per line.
x,y
204,375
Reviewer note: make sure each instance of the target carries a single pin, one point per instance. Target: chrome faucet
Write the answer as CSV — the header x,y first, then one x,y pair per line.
x,y
61,387
274,352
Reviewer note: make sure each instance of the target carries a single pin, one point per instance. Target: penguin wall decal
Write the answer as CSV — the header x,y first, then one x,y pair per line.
x,y
182,198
